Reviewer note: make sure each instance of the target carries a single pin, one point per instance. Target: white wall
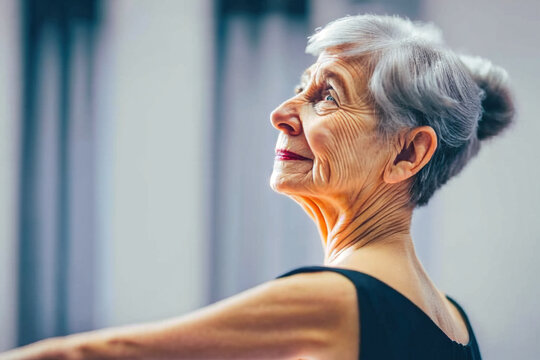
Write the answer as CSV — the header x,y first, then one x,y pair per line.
x,y
487,223
9,119
153,81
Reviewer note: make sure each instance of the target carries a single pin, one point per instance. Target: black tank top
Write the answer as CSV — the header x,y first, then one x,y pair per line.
x,y
393,327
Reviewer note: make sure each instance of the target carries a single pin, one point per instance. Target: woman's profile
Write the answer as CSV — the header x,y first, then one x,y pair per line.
x,y
384,117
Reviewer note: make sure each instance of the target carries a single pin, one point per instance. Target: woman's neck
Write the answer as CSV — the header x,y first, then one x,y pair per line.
x,y
353,223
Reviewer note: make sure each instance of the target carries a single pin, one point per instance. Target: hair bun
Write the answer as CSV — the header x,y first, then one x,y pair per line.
x,y
497,102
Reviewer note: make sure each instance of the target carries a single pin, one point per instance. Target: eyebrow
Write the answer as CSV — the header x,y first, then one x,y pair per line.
x,y
338,81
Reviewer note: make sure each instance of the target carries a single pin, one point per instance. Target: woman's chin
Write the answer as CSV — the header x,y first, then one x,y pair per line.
x,y
286,183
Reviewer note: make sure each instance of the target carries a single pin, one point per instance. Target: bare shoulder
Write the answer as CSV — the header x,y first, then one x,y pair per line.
x,y
325,286
334,297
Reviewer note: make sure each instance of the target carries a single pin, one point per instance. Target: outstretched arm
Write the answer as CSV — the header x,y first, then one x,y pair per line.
x,y
289,318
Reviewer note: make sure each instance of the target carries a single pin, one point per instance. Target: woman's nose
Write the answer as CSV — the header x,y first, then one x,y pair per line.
x,y
286,118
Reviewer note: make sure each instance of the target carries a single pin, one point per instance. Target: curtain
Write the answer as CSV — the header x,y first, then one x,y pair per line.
x,y
56,217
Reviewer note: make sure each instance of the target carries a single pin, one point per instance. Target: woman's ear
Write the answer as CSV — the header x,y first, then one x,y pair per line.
x,y
416,149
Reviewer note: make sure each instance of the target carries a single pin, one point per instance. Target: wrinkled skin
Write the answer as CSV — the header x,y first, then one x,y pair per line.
x,y
348,186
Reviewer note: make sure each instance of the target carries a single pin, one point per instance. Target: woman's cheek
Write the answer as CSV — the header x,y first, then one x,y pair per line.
x,y
333,136
339,141
320,138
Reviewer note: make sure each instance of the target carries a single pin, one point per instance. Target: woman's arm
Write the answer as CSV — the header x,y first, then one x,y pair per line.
x,y
289,318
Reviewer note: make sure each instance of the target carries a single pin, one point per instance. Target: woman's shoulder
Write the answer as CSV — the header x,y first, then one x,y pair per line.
x,y
313,276
337,295
326,287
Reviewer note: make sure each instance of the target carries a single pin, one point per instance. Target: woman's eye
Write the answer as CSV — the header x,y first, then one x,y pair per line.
x,y
329,98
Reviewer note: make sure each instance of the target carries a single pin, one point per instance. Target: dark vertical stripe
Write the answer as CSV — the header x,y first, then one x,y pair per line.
x,y
216,146
27,269
63,218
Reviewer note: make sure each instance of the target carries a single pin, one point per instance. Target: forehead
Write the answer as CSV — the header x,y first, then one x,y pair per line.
x,y
330,65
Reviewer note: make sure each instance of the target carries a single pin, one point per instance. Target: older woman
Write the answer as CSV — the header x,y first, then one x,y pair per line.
x,y
382,119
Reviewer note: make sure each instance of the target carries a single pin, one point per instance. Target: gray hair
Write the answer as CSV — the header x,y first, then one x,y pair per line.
x,y
414,80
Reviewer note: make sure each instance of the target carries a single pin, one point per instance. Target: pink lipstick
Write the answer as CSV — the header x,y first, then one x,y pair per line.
x,y
282,154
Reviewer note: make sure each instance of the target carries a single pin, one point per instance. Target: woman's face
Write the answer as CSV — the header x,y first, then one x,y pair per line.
x,y
328,124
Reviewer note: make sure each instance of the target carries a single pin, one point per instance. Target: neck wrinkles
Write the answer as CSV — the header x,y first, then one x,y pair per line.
x,y
367,219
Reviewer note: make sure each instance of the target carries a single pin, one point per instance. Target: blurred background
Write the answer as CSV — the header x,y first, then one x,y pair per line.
x,y
136,149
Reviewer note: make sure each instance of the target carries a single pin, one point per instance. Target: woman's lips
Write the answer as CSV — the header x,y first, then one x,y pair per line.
x,y
282,154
